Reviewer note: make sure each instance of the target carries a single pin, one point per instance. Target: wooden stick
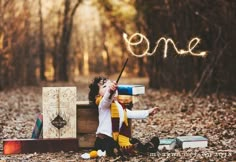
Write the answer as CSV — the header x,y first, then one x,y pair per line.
x,y
112,92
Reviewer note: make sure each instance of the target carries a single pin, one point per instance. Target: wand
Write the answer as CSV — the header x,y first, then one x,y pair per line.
x,y
112,92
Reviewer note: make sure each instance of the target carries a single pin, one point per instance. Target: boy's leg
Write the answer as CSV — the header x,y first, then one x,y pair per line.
x,y
107,144
113,147
152,145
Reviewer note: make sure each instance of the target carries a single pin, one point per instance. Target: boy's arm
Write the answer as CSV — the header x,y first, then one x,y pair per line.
x,y
137,114
140,114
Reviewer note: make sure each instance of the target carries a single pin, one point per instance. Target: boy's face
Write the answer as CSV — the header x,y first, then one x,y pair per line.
x,y
104,85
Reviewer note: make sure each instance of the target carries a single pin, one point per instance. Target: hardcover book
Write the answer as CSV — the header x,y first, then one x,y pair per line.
x,y
59,112
192,141
131,89
167,143
37,131
23,146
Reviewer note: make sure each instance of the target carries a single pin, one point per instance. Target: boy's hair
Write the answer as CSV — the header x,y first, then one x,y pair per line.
x,y
94,88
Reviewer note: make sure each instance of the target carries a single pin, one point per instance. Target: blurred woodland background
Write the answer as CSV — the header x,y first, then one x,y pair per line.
x,y
48,40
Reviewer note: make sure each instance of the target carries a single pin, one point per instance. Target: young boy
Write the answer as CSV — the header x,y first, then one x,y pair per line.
x,y
113,133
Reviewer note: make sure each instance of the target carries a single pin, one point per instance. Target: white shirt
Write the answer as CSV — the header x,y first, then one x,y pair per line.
x,y
105,124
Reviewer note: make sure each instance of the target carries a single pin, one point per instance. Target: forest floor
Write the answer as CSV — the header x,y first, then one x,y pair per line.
x,y
212,116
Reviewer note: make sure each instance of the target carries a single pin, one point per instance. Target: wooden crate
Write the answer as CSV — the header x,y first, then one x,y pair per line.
x,y
86,140
87,123
87,117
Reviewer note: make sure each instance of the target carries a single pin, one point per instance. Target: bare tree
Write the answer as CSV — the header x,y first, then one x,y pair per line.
x,y
63,50
41,43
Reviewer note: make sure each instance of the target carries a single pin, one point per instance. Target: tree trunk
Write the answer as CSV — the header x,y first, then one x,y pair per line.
x,y
65,40
108,59
29,66
41,44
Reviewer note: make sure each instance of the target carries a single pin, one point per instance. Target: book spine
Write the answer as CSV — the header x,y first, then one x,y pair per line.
x,y
125,90
38,127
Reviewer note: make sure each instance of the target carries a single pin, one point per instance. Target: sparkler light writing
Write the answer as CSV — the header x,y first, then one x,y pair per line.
x,y
138,38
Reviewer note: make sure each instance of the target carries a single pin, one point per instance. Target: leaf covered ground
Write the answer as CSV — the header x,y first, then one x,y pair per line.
x,y
212,116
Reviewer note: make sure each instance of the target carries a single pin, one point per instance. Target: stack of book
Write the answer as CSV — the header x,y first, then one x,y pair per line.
x,y
127,94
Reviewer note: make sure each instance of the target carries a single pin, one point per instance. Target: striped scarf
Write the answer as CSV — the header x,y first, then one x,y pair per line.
x,y
122,135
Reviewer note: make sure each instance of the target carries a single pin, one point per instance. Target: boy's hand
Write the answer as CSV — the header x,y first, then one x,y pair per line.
x,y
113,86
153,111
